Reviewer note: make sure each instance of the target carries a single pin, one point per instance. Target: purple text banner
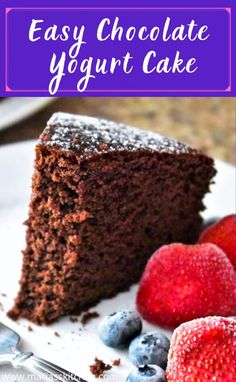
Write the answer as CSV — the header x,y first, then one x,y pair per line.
x,y
117,50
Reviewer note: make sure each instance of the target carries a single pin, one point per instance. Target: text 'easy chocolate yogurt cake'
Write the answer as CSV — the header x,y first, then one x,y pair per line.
x,y
104,197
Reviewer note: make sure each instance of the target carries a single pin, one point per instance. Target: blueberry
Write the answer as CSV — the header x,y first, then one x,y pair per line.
x,y
150,348
147,373
118,329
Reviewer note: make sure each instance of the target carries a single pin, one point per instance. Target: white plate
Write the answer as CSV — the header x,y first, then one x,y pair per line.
x,y
75,349
15,109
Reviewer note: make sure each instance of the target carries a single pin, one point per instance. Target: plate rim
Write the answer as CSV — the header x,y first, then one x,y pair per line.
x,y
27,107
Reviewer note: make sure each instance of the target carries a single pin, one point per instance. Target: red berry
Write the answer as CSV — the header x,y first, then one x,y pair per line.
x,y
183,282
223,234
203,350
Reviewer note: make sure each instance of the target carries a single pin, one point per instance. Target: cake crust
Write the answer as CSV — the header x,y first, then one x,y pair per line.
x,y
89,136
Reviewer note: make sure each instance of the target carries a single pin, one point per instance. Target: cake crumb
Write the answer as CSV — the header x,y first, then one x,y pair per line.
x,y
88,316
30,329
73,319
116,362
99,367
57,334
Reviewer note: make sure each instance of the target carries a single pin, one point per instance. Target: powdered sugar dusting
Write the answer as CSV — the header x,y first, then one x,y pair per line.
x,y
89,136
182,282
203,350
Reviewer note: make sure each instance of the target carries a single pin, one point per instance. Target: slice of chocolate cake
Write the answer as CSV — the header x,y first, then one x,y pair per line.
x,y
104,197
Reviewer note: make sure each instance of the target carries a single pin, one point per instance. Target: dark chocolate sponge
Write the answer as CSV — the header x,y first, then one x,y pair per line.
x,y
104,197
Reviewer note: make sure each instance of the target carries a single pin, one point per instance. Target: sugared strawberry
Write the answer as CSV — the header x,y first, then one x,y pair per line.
x,y
183,282
223,234
203,350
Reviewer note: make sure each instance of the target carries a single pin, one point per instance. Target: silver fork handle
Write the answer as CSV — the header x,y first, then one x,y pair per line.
x,y
44,369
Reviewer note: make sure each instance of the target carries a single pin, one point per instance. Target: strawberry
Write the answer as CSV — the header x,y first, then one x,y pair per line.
x,y
183,282
203,350
223,234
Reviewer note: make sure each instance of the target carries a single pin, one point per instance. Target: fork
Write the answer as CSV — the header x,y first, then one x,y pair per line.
x,y
10,354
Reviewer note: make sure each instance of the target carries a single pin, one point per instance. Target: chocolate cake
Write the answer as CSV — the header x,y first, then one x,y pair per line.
x,y
104,197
